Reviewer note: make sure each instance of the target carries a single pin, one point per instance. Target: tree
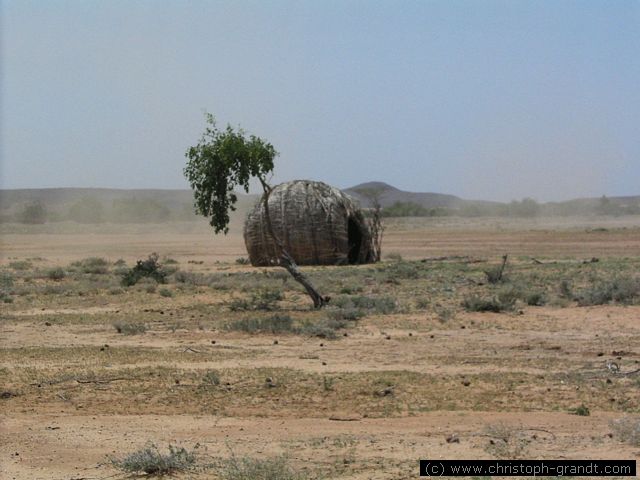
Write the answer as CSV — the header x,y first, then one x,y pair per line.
x,y
224,160
33,213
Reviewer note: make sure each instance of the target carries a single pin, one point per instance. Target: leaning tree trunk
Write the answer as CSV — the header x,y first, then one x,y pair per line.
x,y
286,260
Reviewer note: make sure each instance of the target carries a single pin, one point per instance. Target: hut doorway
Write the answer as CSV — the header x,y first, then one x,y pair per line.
x,y
355,241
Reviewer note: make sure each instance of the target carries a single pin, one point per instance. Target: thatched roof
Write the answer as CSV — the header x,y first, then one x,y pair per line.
x,y
319,225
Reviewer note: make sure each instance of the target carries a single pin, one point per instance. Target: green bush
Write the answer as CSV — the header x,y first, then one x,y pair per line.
x,y
32,213
56,273
474,303
536,299
93,265
149,268
21,265
621,289
324,328
165,292
582,411
264,299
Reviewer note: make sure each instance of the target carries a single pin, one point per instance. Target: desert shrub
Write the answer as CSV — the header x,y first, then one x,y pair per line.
x,y
621,289
350,289
627,430
423,303
165,292
327,328
190,278
251,469
170,261
130,328
506,441
582,411
402,270
495,274
242,261
565,289
6,281
56,274
211,377
535,299
6,287
152,461
444,314
149,268
273,324
345,314
497,304
508,296
264,299
94,265
21,265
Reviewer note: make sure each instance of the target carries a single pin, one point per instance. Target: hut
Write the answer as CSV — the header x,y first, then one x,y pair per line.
x,y
318,225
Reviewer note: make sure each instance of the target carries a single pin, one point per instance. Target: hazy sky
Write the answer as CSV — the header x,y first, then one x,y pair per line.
x,y
491,100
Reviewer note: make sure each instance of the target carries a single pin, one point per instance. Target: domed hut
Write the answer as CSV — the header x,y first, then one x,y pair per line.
x,y
318,225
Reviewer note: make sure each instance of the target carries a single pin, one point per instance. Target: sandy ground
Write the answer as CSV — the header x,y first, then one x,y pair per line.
x,y
456,383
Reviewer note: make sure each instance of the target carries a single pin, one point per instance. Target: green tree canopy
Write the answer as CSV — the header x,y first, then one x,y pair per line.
x,y
222,161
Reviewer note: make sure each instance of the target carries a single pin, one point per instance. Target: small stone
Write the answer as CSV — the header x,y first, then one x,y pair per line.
x,y
452,439
213,342
275,342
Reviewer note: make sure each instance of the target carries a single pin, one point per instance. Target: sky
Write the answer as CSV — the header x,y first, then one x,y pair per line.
x,y
492,100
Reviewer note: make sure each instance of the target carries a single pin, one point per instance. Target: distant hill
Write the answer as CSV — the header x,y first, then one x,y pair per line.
x,y
390,195
97,205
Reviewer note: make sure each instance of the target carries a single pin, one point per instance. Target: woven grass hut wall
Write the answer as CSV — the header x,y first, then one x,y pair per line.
x,y
318,224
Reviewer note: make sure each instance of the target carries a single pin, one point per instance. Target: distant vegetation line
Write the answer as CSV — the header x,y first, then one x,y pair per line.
x,y
95,206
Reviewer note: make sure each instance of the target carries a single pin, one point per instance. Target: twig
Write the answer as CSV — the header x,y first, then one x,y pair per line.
x,y
106,380
189,349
